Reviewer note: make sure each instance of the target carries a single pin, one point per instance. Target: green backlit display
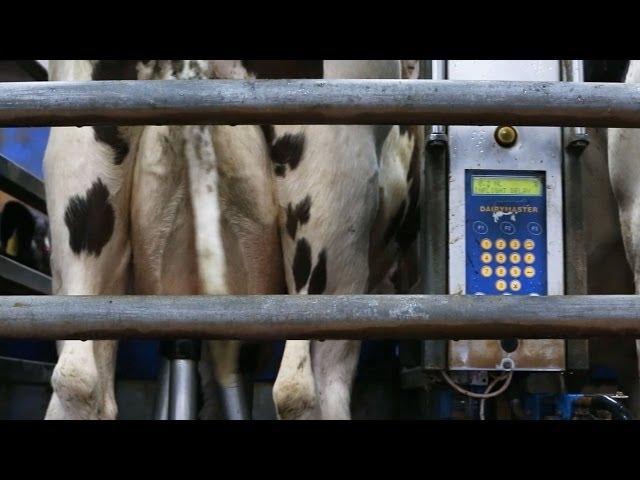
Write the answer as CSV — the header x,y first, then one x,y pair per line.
x,y
531,186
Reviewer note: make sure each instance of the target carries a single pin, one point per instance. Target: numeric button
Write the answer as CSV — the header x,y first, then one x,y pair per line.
x,y
529,258
486,271
501,244
529,244
515,257
486,244
501,271
486,257
501,285
501,257
514,244
529,272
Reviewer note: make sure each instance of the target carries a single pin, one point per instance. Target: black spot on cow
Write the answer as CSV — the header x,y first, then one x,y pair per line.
x,y
280,170
405,130
110,135
90,219
287,150
298,215
115,70
318,282
269,133
301,263
303,210
292,222
177,66
302,363
394,223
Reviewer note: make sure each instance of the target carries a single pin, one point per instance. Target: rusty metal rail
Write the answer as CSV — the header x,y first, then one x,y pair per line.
x,y
319,317
167,102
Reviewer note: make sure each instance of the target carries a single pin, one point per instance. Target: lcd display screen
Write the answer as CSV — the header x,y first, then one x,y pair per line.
x,y
504,185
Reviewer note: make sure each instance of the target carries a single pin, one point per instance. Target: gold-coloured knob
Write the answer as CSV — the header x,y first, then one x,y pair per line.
x,y
506,136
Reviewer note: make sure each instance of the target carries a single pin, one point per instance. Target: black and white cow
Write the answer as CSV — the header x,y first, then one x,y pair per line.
x,y
227,210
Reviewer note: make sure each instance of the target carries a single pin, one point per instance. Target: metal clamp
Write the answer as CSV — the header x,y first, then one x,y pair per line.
x,y
578,138
438,136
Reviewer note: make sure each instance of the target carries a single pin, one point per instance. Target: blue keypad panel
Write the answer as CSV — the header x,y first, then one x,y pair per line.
x,y
506,232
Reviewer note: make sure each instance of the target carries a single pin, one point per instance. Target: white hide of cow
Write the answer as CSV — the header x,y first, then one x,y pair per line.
x,y
624,170
153,247
342,165
208,210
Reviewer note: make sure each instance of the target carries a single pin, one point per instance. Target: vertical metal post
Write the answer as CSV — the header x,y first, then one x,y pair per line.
x,y
182,357
183,389
575,247
435,230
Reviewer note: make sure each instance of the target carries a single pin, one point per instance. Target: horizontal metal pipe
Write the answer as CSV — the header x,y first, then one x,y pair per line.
x,y
180,102
319,317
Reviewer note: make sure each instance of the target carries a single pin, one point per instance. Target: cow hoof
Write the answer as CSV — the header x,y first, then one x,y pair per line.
x,y
294,400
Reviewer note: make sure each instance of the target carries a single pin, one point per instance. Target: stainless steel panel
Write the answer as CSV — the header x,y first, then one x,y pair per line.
x,y
537,148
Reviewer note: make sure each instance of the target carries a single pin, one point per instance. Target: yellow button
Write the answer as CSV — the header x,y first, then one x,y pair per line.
x,y
514,244
501,244
501,285
529,271
501,271
501,257
529,258
515,271
529,244
515,257
486,244
505,136
486,271
515,285
485,257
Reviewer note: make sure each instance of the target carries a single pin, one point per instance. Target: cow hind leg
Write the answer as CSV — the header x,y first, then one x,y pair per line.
x,y
327,183
294,391
83,382
87,201
336,362
329,203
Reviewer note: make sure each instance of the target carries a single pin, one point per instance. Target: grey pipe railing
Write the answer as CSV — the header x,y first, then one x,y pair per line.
x,y
320,317
166,102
